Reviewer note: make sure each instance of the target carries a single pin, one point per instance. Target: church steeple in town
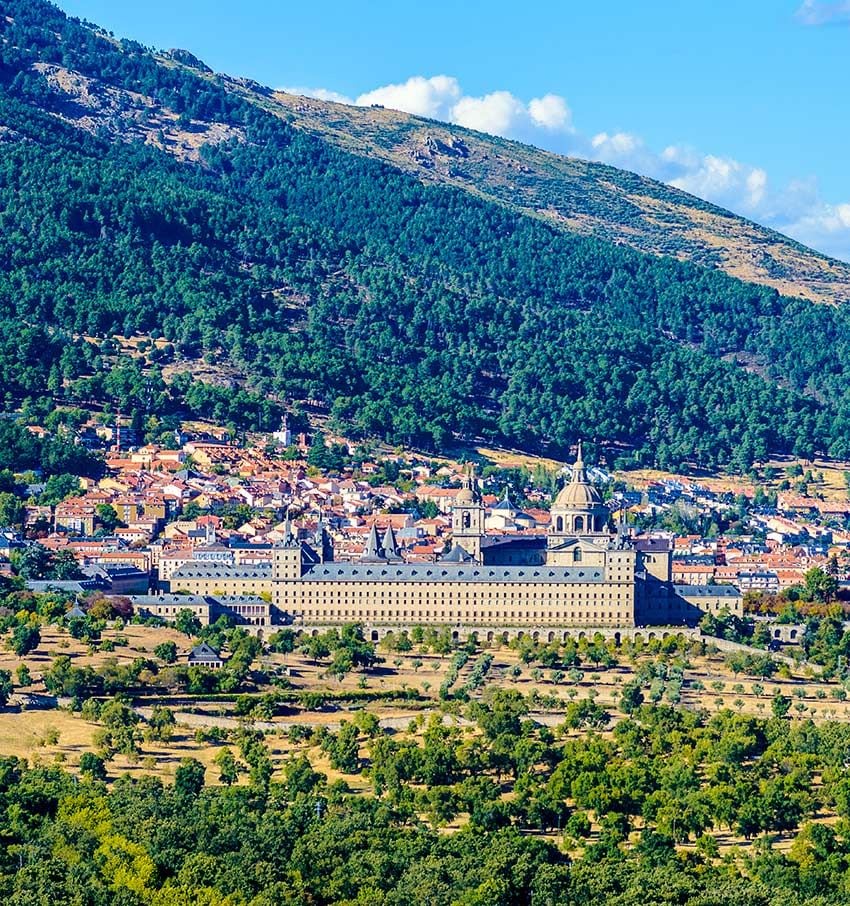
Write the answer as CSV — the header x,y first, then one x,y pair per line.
x,y
468,515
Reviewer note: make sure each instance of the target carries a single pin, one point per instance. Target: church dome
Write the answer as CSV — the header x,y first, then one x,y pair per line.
x,y
578,493
465,495
578,496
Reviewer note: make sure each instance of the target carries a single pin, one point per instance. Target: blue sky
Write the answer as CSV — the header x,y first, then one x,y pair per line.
x,y
745,103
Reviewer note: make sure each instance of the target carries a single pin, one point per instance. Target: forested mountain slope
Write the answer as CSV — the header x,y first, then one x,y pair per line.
x,y
577,195
142,196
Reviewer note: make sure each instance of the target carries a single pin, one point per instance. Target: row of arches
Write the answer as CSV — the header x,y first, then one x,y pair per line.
x,y
490,636
576,524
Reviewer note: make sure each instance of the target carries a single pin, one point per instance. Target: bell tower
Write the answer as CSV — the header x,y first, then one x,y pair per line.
x,y
468,516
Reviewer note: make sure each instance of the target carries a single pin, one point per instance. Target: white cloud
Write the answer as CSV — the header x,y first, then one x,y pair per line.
x,y
626,150
756,186
796,209
683,155
546,120
498,113
441,97
829,218
550,112
430,97
620,143
720,179
818,12
322,94
826,227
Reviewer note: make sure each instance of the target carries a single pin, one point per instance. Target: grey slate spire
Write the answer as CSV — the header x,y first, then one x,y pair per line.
x,y
389,544
373,551
505,503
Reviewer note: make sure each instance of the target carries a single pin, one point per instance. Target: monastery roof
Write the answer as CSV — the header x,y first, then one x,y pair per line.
x,y
194,600
212,570
651,544
437,572
707,591
527,539
73,585
204,652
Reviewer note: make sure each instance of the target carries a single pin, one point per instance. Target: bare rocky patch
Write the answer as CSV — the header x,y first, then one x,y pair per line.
x,y
94,106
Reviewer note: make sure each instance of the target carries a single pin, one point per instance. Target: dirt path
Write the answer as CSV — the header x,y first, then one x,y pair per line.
x,y
309,719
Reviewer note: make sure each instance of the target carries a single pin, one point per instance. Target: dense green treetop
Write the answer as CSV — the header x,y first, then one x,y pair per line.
x,y
292,837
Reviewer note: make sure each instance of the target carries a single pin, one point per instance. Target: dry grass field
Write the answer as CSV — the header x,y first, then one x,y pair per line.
x,y
55,642
514,459
58,736
832,486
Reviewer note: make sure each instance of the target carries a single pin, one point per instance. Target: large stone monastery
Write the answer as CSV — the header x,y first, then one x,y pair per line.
x,y
580,574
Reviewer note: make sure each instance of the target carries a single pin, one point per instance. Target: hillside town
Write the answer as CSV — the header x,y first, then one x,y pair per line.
x,y
195,525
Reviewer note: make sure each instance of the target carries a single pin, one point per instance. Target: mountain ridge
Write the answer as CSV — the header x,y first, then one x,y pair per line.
x,y
702,232
580,196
